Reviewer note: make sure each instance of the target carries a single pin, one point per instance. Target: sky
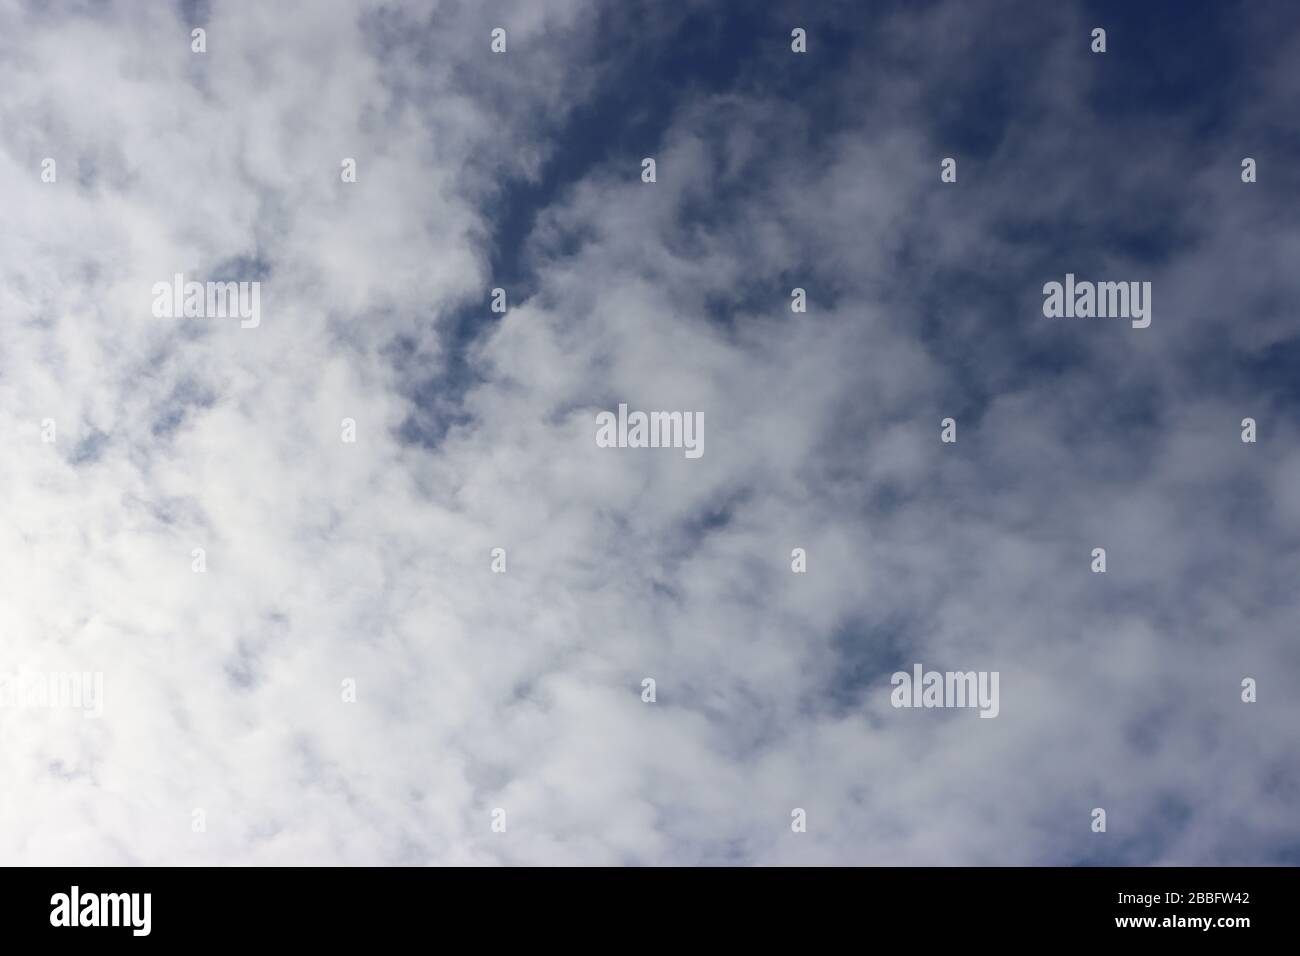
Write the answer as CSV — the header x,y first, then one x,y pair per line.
x,y
352,677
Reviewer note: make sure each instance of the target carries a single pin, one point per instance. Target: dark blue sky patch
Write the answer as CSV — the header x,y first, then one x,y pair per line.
x,y
241,268
1271,375
188,396
88,450
1165,58
865,653
195,13
436,397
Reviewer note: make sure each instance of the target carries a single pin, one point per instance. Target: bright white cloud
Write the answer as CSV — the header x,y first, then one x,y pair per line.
x,y
370,561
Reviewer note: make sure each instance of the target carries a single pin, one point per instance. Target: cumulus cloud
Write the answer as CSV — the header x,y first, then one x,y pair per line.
x,y
329,561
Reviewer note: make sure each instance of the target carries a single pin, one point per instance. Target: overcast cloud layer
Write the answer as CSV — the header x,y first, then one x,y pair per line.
x,y
371,561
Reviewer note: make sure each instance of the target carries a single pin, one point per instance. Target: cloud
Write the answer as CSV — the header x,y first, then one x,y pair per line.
x,y
370,561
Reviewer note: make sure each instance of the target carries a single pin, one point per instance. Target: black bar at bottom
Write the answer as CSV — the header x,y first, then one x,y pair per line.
x,y
658,907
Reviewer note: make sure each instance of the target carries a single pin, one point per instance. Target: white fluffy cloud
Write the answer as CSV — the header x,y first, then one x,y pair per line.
x,y
370,561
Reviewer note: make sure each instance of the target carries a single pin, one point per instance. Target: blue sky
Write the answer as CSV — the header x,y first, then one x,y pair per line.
x,y
330,561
